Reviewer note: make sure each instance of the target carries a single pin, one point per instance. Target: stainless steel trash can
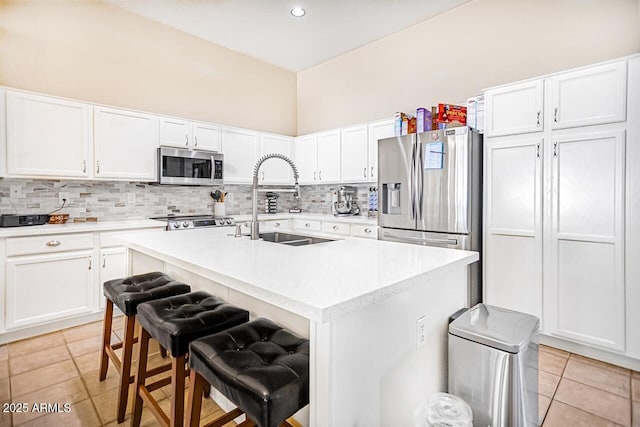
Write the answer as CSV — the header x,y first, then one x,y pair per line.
x,y
493,365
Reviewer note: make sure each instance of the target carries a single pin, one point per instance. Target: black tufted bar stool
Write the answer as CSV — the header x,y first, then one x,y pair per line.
x,y
175,322
261,367
127,294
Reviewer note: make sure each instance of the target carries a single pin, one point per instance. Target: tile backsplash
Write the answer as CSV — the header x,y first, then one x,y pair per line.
x,y
111,200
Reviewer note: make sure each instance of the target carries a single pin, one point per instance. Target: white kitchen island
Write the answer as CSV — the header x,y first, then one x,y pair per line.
x,y
357,300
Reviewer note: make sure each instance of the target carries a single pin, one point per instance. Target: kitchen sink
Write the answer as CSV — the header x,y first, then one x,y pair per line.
x,y
292,239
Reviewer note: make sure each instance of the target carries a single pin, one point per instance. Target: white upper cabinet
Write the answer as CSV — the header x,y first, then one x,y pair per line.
x,y
206,137
514,109
378,130
354,160
584,296
175,132
47,136
275,171
329,157
125,144
241,149
592,96
513,224
305,150
181,133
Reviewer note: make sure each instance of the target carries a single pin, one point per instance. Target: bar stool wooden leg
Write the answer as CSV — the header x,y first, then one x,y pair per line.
x,y
125,373
177,391
141,373
106,339
194,403
163,352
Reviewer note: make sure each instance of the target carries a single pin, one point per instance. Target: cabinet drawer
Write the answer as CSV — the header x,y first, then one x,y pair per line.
x,y
363,230
49,243
275,224
307,224
336,228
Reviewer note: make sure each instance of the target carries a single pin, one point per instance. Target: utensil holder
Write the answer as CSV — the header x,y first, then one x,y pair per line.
x,y
219,210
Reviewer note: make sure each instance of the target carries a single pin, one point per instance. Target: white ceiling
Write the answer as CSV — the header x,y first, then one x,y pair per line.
x,y
264,29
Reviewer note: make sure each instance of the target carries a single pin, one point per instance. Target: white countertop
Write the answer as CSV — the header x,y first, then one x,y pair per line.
x,y
79,227
318,282
113,225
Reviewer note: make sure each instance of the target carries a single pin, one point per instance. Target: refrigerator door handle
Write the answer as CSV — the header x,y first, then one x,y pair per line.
x,y
413,182
420,239
420,179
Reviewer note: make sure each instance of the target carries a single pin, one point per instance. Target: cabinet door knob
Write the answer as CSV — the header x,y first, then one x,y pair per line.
x,y
277,224
335,227
367,230
53,243
319,175
314,175
538,150
555,115
555,149
186,137
365,172
90,263
307,225
104,261
98,166
371,172
84,166
195,139
538,119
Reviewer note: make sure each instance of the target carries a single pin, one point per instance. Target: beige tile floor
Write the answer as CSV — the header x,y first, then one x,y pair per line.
x,y
577,391
62,367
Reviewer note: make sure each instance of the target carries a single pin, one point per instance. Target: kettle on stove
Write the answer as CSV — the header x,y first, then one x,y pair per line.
x,y
344,203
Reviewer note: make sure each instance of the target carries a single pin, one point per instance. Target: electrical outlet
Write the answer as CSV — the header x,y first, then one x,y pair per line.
x,y
16,192
229,198
63,195
420,332
131,198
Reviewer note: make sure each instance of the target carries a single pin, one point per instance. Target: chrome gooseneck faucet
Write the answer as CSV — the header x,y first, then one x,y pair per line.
x,y
255,228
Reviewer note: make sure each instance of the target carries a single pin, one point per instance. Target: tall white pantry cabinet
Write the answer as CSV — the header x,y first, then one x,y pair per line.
x,y
562,206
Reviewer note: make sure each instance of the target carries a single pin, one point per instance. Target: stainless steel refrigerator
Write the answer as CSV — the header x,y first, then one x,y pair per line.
x,y
431,193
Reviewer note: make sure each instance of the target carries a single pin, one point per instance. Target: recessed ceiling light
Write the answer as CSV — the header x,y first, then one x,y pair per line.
x,y
298,12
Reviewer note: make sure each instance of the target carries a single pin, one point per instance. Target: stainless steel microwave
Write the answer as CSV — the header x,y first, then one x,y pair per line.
x,y
189,167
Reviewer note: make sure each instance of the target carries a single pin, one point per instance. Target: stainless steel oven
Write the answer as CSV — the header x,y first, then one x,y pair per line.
x,y
189,167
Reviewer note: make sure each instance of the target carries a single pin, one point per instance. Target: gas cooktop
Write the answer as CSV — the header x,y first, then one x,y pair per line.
x,y
187,222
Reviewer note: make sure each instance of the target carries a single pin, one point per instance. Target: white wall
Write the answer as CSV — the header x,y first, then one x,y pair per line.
x,y
457,54
95,52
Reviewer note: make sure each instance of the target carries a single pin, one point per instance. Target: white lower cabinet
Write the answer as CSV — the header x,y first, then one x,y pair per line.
x,y
572,274
113,265
48,287
584,295
513,224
